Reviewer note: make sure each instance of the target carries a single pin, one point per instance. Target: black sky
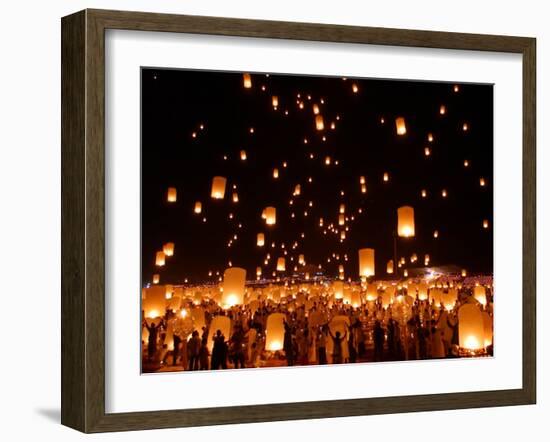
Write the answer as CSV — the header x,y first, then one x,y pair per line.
x,y
176,102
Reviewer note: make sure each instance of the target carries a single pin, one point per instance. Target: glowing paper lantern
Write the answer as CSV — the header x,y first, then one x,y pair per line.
x,y
422,291
198,207
270,216
426,259
471,332
275,173
449,299
275,101
487,329
235,197
389,267
319,123
160,259
386,177
372,292
442,109
275,332
297,190
366,262
233,286
153,303
338,289
258,271
218,187
400,126
315,109
281,267
480,295
485,223
260,240
168,249
172,195
156,278
243,155
405,222
247,81
341,220
301,260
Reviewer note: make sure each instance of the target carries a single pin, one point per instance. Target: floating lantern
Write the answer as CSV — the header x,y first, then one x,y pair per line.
x,y
327,161
372,292
342,208
243,155
198,207
281,267
430,137
422,291
338,289
275,173
171,195
160,259
363,188
270,216
427,151
297,190
485,223
465,127
405,273
354,88
449,299
366,262
275,332
480,295
247,81
424,193
275,101
444,193
464,273
466,163
233,286
456,88
319,122
389,267
426,259
156,278
405,221
153,301
386,177
258,271
301,260
436,234
471,331
260,240
235,197
342,235
341,220
482,182
400,126
218,187
315,109
442,110
168,248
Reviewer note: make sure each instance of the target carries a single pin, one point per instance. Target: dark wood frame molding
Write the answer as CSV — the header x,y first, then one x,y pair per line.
x,y
83,217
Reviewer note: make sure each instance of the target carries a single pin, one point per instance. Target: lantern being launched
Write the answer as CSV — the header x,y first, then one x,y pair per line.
x,y
270,216
366,262
218,187
471,333
405,222
400,126
275,332
233,286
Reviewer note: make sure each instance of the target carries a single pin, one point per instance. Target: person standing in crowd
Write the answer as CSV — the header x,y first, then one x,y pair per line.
x,y
337,339
219,351
193,350
238,346
153,330
203,353
378,336
288,344
322,346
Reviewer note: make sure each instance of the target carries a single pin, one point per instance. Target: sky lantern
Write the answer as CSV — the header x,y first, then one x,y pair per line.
x,y
301,260
275,332
235,197
275,173
366,262
297,190
198,207
168,249
341,220
482,182
444,193
442,110
363,188
456,88
153,301
427,151
485,223
471,331
218,187
243,155
430,137
160,259
233,286
400,126
275,101
319,122
354,88
424,193
260,240
449,299
156,278
480,295
247,81
389,267
422,291
465,127
372,292
316,109
270,216
436,234
342,208
258,271
171,195
338,289
405,273
405,221
281,266
386,177
426,259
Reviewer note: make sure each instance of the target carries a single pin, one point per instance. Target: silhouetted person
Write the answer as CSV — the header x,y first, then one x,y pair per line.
x,y
288,345
219,351
378,337
193,350
337,347
152,341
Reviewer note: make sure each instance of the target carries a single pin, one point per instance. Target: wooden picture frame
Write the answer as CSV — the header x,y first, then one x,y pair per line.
x,y
83,220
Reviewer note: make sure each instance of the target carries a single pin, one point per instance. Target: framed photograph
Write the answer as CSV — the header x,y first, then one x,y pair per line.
x,y
266,221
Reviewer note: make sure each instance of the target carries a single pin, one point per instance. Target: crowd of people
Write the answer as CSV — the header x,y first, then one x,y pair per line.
x,y
325,333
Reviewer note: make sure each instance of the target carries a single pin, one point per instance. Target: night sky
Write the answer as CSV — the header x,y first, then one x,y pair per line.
x,y
176,102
